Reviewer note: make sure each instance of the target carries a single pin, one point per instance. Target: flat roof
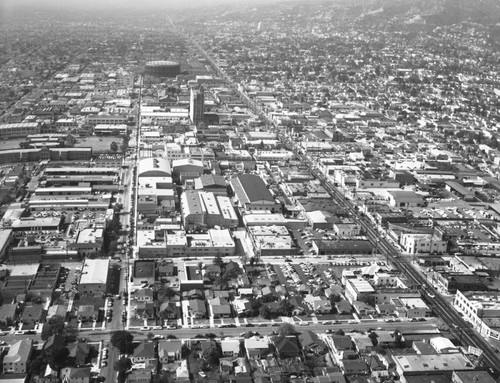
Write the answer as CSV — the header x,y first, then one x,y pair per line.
x,y
437,362
95,271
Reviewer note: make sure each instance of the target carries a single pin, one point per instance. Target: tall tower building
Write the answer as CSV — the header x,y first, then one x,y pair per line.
x,y
197,105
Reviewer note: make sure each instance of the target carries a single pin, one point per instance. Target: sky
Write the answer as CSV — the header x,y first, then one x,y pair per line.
x,y
132,4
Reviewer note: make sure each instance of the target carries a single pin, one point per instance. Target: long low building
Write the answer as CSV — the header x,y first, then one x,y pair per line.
x,y
206,210
20,129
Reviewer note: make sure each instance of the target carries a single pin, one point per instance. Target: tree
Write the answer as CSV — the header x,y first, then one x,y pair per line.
x,y
123,365
373,337
113,147
218,261
286,308
287,329
122,340
58,358
265,312
212,353
398,338
54,326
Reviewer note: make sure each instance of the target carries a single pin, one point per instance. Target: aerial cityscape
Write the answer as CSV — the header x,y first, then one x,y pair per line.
x,y
250,191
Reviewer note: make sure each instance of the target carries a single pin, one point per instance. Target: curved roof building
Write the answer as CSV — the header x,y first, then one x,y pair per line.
x,y
163,68
154,167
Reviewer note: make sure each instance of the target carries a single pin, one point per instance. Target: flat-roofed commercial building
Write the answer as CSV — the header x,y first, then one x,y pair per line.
x,y
94,278
358,289
106,119
413,364
37,224
110,130
64,190
81,170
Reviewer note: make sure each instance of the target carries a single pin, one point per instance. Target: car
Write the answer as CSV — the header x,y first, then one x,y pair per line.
x,y
249,325
145,328
431,295
109,319
19,332
263,325
304,324
104,363
104,357
327,322
202,374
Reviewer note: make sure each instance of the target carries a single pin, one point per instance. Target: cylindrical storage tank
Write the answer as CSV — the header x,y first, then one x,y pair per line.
x,y
163,68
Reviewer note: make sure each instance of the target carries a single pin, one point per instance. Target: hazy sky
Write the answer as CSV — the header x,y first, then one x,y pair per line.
x,y
6,5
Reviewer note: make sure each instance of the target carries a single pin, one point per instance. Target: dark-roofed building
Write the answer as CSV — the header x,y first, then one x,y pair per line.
x,y
211,183
252,193
310,341
287,347
8,313
78,352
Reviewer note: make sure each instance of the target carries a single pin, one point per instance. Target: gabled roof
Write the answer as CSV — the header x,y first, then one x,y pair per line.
x,y
288,345
145,349
19,352
166,347
251,188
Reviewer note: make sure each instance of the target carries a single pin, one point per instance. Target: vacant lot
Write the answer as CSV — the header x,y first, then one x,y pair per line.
x,y
98,144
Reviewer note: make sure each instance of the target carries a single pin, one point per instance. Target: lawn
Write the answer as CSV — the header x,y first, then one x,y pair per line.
x,y
98,144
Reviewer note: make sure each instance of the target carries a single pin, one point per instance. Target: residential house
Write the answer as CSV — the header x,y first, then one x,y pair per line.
x,y
241,306
354,367
169,350
57,311
311,342
169,310
32,314
339,344
86,313
299,306
140,376
318,304
385,308
235,369
8,314
212,271
256,348
182,372
16,359
197,308
362,308
330,377
343,307
220,308
78,352
166,269
53,342
194,294
145,351
145,310
287,347
230,347
144,295
75,374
